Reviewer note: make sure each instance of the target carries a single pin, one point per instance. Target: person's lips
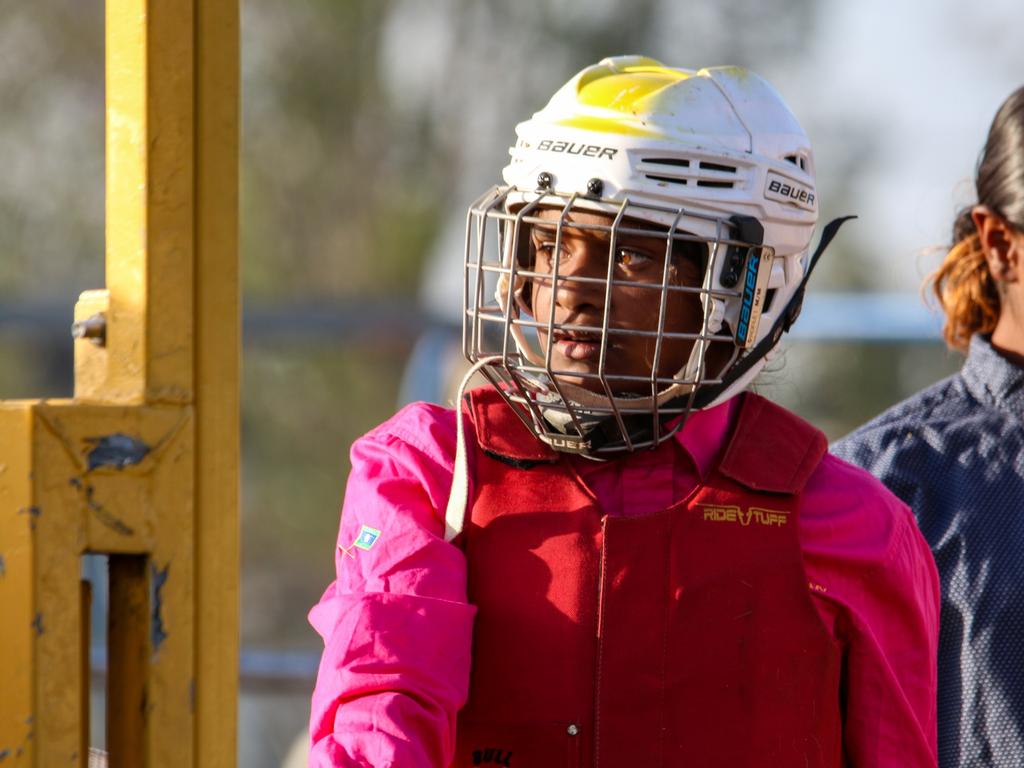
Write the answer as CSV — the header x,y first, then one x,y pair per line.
x,y
578,346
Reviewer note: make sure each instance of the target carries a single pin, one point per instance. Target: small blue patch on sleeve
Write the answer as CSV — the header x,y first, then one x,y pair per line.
x,y
367,537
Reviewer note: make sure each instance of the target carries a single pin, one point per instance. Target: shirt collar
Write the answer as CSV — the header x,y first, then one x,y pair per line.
x,y
993,379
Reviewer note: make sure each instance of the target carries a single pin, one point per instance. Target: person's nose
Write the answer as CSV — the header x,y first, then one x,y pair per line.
x,y
581,277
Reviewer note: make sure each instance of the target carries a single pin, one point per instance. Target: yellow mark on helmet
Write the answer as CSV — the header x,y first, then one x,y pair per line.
x,y
605,125
623,89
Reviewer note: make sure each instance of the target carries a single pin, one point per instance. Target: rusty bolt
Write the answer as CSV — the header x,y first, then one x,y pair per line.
x,y
93,328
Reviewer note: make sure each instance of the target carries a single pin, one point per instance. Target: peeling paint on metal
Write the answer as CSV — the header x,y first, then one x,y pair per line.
x,y
37,623
111,521
118,451
33,513
3,567
102,513
158,633
4,753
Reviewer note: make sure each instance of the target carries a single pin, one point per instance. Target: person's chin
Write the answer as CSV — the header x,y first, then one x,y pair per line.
x,y
585,376
577,373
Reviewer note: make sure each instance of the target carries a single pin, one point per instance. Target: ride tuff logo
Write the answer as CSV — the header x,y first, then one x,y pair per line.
x,y
756,516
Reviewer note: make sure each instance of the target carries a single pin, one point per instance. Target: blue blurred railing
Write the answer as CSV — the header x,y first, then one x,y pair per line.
x,y
875,317
826,317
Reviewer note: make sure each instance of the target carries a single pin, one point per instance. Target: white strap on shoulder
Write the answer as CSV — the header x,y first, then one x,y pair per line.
x,y
455,514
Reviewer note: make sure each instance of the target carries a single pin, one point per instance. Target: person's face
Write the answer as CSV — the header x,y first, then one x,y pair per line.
x,y
640,260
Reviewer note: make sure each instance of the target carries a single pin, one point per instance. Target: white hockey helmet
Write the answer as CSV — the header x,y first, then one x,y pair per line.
x,y
711,156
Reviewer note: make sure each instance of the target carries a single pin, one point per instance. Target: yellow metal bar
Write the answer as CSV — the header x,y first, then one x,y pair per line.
x,y
17,568
58,546
217,369
150,200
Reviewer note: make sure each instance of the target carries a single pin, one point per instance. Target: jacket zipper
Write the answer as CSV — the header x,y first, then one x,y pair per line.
x,y
600,640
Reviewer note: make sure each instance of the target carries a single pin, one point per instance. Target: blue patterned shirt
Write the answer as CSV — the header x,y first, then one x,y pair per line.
x,y
954,453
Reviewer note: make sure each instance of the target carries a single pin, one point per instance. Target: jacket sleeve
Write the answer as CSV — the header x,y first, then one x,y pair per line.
x,y
875,582
891,661
396,625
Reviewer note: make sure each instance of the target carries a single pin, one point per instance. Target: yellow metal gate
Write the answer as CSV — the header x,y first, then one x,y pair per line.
x,y
142,464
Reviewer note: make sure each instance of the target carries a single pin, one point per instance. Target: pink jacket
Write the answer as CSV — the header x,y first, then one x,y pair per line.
x,y
397,628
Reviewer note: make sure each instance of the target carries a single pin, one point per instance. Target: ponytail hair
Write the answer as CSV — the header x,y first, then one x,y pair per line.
x,y
965,288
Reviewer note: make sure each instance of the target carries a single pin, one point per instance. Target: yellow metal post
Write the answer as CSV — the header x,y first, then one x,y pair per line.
x,y
142,464
217,374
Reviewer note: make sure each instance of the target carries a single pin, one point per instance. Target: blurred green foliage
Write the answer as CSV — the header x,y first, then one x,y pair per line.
x,y
838,387
335,201
51,147
303,407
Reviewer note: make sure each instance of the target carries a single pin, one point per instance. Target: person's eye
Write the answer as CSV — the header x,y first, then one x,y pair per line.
x,y
544,251
633,260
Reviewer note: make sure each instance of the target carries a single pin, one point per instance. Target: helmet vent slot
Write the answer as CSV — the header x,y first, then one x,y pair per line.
x,y
692,172
682,163
798,160
717,183
717,167
669,161
670,179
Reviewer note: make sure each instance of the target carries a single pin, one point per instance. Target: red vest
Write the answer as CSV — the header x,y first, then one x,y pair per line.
x,y
687,637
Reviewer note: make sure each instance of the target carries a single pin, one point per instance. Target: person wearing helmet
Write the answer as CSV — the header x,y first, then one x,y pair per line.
x,y
611,554
955,453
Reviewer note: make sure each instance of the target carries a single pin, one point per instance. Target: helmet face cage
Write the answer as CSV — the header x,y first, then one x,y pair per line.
x,y
610,411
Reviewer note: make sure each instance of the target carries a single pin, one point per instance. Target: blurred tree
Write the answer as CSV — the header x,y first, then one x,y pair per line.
x,y
337,200
51,146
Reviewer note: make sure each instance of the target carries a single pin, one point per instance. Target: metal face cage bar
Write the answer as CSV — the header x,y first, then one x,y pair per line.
x,y
560,402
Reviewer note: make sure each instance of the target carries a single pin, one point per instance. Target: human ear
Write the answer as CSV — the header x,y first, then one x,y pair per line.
x,y
1002,245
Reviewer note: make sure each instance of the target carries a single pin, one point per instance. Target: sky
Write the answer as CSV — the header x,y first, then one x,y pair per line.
x,y
928,76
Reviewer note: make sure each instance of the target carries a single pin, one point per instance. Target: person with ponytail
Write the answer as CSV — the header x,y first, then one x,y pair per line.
x,y
955,454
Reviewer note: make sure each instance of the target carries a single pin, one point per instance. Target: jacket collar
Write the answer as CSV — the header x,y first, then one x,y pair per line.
x,y
500,432
992,379
768,438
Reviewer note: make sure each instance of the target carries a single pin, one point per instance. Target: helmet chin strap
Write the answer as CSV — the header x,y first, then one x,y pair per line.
x,y
455,512
562,421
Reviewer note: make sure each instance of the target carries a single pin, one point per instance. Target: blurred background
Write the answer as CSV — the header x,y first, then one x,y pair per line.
x,y
368,127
